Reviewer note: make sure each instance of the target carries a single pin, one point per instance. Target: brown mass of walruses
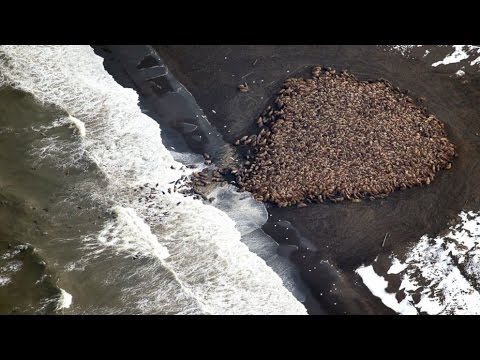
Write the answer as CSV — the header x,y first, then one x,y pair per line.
x,y
337,138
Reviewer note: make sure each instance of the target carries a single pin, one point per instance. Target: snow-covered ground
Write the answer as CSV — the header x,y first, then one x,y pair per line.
x,y
439,276
463,55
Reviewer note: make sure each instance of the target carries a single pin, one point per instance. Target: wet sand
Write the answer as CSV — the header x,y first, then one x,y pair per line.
x,y
329,241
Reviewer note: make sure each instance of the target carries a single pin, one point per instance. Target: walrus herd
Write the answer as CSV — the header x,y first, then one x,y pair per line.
x,y
335,137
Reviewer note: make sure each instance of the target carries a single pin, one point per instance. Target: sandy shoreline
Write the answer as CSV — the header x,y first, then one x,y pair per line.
x,y
327,242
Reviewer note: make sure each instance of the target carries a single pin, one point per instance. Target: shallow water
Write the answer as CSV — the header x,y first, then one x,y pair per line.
x,y
92,174
348,235
75,150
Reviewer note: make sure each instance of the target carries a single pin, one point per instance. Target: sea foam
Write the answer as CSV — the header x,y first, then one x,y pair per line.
x,y
64,301
212,270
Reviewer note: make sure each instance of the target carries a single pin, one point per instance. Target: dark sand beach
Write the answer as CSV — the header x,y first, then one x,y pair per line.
x,y
327,242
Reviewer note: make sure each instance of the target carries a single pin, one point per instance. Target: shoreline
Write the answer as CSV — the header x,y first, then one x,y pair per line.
x,y
346,235
162,107
336,290
96,204
326,242
330,290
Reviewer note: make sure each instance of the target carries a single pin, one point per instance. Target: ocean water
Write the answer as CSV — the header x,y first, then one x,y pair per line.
x,y
84,227
84,189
